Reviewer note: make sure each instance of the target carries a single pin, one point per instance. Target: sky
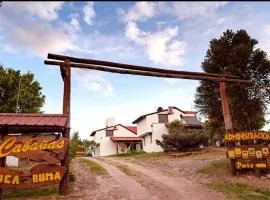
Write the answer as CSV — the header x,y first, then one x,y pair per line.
x,y
171,35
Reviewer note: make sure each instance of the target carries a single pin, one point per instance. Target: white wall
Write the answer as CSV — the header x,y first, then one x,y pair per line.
x,y
158,129
108,147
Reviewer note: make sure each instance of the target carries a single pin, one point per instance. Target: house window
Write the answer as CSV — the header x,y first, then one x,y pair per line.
x,y
163,118
109,133
150,138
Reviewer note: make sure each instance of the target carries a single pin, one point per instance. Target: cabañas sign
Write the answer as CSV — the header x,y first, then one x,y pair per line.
x,y
50,150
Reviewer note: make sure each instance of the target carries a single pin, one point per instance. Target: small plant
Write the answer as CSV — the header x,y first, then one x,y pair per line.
x,y
181,138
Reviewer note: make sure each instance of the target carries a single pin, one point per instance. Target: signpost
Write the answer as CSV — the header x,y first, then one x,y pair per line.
x,y
50,150
252,156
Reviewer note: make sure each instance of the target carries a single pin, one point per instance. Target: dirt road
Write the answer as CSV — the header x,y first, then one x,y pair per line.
x,y
129,181
157,184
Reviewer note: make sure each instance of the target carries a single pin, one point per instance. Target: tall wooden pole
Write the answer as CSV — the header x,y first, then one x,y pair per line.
x,y
227,117
66,74
2,160
225,107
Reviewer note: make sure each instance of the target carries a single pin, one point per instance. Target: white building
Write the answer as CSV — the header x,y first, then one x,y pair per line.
x,y
115,139
151,126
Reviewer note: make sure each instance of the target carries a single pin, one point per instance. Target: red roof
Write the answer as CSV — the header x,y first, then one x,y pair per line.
x,y
132,129
126,139
32,122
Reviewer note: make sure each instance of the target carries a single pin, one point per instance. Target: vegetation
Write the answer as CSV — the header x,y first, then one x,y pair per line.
x,y
77,145
220,164
30,96
94,167
242,191
129,154
181,138
30,193
235,53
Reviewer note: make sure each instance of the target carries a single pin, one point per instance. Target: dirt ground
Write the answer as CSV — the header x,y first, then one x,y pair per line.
x,y
152,178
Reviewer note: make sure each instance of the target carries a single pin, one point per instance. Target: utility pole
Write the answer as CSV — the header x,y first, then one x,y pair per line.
x,y
18,96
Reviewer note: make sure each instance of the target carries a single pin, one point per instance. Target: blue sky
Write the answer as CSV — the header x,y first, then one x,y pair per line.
x,y
171,35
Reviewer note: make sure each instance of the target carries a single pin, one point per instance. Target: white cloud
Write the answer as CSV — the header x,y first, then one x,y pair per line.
x,y
93,81
43,10
161,46
89,13
141,11
36,35
187,10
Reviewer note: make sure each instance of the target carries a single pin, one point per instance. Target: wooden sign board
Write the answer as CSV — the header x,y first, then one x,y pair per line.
x,y
248,152
48,149
251,164
40,175
247,135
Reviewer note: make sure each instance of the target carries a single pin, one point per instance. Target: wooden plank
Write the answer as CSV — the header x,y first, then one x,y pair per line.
x,y
132,67
143,73
50,149
39,176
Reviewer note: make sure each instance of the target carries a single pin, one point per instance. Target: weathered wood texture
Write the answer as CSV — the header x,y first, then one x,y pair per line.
x,y
39,176
50,149
146,73
225,107
132,67
66,74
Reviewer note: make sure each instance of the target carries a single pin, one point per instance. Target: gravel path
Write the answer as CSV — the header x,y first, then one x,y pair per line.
x,y
182,187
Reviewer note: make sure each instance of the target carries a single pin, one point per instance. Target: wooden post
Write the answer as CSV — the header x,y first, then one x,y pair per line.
x,y
225,107
2,160
227,117
63,186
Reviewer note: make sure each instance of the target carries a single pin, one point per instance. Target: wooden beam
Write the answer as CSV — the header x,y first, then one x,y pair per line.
x,y
141,73
63,186
133,67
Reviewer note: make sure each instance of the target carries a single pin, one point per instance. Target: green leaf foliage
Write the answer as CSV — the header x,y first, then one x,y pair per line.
x,y
181,138
235,53
31,99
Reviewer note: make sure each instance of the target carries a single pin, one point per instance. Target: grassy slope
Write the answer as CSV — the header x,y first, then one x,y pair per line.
x,y
94,167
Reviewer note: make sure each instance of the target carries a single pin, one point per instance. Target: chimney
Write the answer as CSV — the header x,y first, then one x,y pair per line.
x,y
160,109
110,122
170,110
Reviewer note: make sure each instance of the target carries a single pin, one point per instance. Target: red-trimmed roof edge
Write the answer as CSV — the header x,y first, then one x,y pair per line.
x,y
126,127
143,116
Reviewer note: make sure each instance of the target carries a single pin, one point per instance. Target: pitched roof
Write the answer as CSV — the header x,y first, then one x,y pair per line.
x,y
143,116
192,121
126,139
29,122
132,129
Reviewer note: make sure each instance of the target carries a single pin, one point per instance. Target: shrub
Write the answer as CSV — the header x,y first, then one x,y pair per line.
x,y
181,138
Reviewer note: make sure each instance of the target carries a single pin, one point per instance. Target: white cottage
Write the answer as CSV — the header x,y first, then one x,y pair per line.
x,y
115,139
151,126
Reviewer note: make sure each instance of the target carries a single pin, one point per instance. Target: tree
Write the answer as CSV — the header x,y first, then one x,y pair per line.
x,y
235,53
90,146
181,138
30,96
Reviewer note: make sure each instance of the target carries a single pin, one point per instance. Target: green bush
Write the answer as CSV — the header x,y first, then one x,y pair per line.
x,y
181,138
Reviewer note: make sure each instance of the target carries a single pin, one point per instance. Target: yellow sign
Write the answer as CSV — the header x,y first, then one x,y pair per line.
x,y
245,154
9,146
231,154
258,154
251,151
238,136
45,177
265,151
237,151
240,165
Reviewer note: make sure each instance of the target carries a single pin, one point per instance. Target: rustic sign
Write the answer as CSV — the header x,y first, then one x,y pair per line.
x,y
248,135
40,175
259,164
246,152
50,149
